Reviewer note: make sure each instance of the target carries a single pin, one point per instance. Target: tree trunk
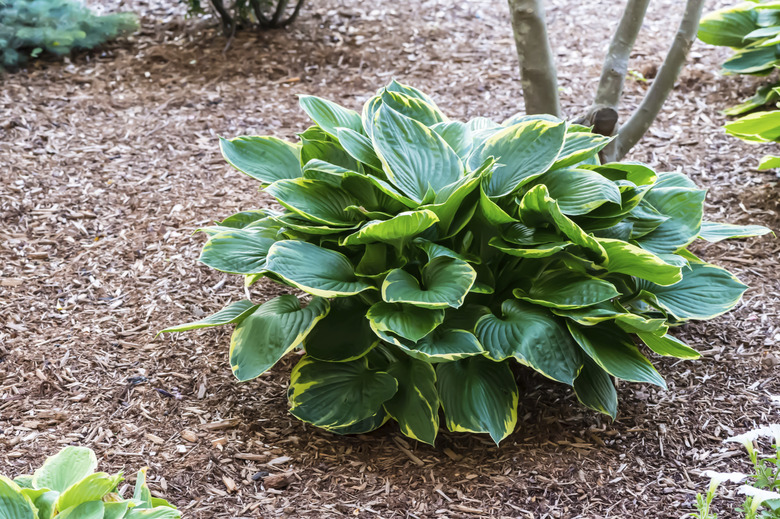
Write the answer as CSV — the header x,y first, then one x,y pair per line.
x,y
538,77
631,132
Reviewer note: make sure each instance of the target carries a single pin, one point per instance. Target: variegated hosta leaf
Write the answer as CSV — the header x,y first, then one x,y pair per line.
x,y
534,337
415,158
457,135
683,206
315,200
440,345
238,251
359,146
600,313
668,346
88,510
407,321
445,283
329,116
91,488
234,313
367,425
67,467
537,207
615,352
566,289
398,229
478,395
594,389
714,232
412,106
318,271
579,146
270,332
579,191
13,503
338,394
267,159
705,292
523,152
625,258
344,334
416,404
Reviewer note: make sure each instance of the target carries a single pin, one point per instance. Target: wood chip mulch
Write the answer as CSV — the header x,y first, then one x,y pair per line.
x,y
109,160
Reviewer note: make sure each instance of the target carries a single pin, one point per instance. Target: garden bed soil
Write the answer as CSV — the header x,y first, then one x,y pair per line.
x,y
110,160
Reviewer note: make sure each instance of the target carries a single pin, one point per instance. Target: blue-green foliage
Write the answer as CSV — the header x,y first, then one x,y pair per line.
x,y
29,28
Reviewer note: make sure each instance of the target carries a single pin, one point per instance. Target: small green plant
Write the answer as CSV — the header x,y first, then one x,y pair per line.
x,y
29,28
437,255
758,127
265,14
752,29
763,492
66,486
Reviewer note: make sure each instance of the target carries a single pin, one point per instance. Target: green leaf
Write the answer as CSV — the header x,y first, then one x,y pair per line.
x,y
330,116
415,158
14,504
523,152
563,288
634,172
479,396
233,313
371,423
238,251
445,282
46,503
705,292
624,258
338,394
579,191
728,27
491,211
115,510
668,346
404,226
141,493
344,334
614,351
91,488
267,159
442,344
684,208
764,95
534,337
88,510
67,467
318,271
578,147
752,60
539,251
594,389
359,146
273,330
613,312
412,106
714,232
536,208
457,135
447,206
769,162
407,321
315,200
756,127
416,404
153,513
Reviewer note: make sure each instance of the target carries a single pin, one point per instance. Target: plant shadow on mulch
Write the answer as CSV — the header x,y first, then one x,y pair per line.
x,y
110,160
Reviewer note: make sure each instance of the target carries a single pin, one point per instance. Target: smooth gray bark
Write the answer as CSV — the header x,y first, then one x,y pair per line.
x,y
538,77
613,73
640,121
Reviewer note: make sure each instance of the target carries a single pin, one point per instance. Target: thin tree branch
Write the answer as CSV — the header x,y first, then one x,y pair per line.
x,y
228,24
615,68
280,7
538,77
261,18
294,14
640,121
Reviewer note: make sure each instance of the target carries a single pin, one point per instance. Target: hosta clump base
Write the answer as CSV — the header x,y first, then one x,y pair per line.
x,y
437,253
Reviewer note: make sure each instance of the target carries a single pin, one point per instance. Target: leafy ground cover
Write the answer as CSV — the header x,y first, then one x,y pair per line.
x,y
108,172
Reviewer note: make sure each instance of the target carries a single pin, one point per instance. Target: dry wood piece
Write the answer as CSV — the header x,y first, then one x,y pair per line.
x,y
278,481
189,435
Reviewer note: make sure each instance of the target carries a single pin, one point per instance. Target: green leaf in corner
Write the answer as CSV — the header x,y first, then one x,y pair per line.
x,y
407,321
267,159
91,488
66,468
14,504
270,332
566,289
479,396
404,226
233,313
238,251
625,258
769,162
88,510
338,394
416,404
344,334
668,346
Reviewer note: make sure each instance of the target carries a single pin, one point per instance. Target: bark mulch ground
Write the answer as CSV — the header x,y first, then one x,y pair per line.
x,y
110,160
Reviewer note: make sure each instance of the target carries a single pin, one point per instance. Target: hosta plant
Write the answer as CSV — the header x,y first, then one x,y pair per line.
x,y
759,127
437,256
752,29
66,486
